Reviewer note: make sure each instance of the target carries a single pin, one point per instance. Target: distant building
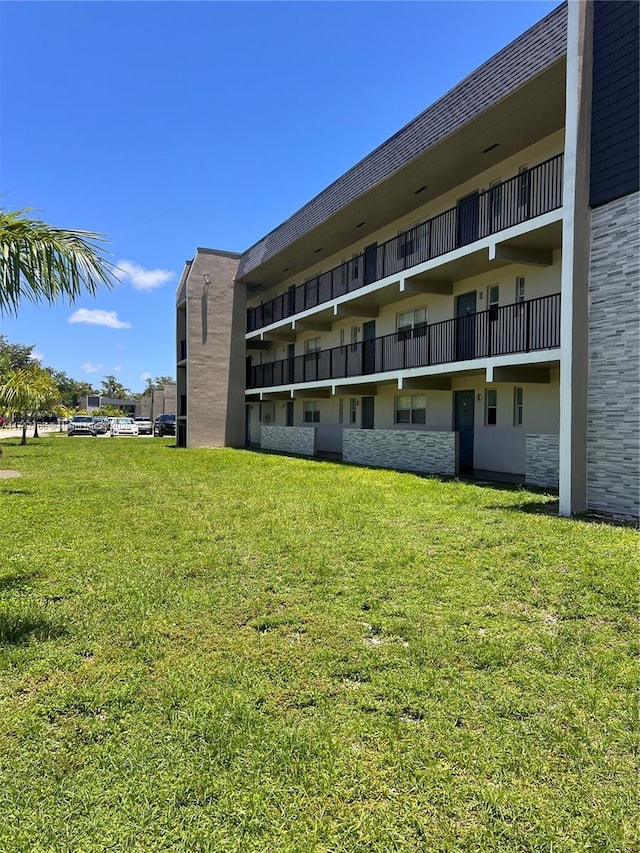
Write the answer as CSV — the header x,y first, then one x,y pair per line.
x,y
93,402
464,299
160,401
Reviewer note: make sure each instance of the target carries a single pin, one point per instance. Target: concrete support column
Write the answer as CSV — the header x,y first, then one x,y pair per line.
x,y
575,261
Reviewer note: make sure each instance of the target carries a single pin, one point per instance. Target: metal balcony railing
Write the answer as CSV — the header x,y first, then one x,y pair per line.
x,y
518,328
529,194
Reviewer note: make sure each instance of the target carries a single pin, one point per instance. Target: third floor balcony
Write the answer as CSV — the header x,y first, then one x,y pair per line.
x,y
525,196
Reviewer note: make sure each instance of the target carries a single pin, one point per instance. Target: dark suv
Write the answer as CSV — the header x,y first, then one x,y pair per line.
x,y
164,425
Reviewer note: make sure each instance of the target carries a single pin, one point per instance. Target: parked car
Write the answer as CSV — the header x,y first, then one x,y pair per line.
x,y
164,425
123,426
145,426
81,425
101,424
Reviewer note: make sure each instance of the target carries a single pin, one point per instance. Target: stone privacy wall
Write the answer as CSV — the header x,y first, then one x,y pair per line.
x,y
542,461
298,440
613,401
428,452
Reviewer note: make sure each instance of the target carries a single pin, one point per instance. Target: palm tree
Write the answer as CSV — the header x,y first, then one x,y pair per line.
x,y
43,263
28,390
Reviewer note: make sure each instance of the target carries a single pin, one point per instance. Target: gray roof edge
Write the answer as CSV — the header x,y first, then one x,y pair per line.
x,y
535,35
202,250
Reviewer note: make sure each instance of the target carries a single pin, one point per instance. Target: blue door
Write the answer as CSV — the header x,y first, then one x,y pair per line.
x,y
463,424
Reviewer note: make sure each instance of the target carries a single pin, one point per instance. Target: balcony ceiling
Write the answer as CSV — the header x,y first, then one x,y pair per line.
x,y
534,111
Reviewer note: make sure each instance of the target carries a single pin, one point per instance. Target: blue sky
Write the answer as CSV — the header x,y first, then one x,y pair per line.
x,y
172,125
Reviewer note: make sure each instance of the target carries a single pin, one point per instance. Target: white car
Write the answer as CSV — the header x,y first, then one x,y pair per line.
x,y
145,426
123,426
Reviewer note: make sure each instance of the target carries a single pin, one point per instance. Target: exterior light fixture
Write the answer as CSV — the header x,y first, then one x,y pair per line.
x,y
207,278
360,224
317,250
490,148
417,192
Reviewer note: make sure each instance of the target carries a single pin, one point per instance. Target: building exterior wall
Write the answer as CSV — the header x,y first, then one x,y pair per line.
x,y
300,441
575,375
427,452
613,439
210,390
542,461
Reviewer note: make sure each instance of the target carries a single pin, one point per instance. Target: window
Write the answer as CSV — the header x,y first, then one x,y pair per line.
x,y
355,266
519,295
411,409
517,406
495,194
411,323
355,337
524,184
493,301
491,407
311,346
311,412
406,241
267,413
353,410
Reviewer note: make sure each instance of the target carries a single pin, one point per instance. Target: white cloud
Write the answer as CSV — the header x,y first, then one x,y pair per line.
x,y
37,355
90,367
117,368
140,278
144,376
98,317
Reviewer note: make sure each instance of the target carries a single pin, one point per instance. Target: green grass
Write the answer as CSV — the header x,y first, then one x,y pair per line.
x,y
226,651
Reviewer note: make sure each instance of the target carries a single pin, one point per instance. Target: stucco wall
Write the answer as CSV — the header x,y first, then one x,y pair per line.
x,y
613,430
428,452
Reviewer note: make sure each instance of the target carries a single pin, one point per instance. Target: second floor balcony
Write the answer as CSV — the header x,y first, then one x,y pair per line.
x,y
518,328
525,196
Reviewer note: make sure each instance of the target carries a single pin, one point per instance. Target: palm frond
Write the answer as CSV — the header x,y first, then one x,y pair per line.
x,y
43,263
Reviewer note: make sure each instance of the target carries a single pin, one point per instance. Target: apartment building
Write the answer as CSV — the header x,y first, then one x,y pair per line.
x,y
464,300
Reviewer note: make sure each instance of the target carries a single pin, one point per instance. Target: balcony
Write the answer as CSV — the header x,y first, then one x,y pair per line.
x,y
519,328
523,197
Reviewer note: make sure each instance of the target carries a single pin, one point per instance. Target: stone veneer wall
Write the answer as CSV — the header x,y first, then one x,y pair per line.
x,y
613,401
409,450
298,440
542,461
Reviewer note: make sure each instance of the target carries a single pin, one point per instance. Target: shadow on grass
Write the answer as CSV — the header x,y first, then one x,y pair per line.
x,y
4,492
16,629
16,581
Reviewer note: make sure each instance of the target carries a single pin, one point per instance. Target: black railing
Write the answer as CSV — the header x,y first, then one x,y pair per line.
x,y
529,194
182,350
521,327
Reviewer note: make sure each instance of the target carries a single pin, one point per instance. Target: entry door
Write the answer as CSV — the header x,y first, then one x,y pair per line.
x,y
463,424
466,326
289,412
371,263
468,218
369,347
368,406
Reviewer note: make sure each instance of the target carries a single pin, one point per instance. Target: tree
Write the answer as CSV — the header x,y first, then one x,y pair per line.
x,y
158,383
28,391
71,390
112,388
14,356
43,263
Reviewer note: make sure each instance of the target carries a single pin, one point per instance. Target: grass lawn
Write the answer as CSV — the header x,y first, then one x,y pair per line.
x,y
227,651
